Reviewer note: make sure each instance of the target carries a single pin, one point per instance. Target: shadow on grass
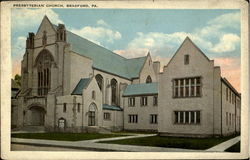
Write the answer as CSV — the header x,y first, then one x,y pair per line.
x,y
173,142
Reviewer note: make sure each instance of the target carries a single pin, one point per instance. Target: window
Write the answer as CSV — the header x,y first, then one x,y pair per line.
x,y
148,80
131,101
99,80
144,101
43,62
230,96
44,39
106,116
91,118
229,119
187,117
155,100
78,107
132,118
153,119
186,59
226,118
187,87
64,107
114,92
93,95
227,94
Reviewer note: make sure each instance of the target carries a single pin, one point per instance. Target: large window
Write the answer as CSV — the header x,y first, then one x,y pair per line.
x,y
43,62
144,101
187,117
132,118
153,119
114,92
187,87
131,101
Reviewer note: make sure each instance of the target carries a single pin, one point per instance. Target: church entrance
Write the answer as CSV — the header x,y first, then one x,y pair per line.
x,y
92,118
37,116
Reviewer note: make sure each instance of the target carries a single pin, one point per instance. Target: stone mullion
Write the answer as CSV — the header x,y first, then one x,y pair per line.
x,y
189,93
194,117
184,87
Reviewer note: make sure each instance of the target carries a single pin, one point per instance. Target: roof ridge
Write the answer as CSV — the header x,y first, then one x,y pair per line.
x,y
136,57
97,44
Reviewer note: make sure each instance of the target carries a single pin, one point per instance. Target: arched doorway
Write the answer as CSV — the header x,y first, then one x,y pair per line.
x,y
92,118
37,116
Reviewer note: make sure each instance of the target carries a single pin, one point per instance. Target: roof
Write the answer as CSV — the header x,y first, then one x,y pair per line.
x,y
82,84
110,107
141,89
104,59
230,86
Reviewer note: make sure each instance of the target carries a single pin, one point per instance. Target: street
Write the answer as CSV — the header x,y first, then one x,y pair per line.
x,y
22,147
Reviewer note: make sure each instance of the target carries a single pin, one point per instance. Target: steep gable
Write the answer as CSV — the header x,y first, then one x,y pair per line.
x,y
45,25
188,48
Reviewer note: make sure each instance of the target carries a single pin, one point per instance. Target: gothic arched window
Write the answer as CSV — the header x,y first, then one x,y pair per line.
x,y
148,80
114,92
99,80
44,61
44,41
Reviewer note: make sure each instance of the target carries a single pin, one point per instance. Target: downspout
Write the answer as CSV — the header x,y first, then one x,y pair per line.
x,y
221,105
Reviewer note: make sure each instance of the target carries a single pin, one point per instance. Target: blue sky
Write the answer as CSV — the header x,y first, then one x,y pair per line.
x,y
134,32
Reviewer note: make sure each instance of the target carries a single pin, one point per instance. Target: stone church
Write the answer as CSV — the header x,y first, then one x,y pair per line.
x,y
70,84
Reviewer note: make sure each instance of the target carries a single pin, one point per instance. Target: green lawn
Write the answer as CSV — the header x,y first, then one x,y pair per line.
x,y
64,136
172,142
234,148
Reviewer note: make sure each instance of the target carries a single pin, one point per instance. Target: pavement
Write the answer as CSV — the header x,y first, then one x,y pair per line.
x,y
94,145
224,145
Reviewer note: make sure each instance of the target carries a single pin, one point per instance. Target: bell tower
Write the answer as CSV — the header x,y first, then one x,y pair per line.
x,y
61,33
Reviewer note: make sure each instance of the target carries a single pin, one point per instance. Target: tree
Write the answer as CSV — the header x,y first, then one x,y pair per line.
x,y
17,80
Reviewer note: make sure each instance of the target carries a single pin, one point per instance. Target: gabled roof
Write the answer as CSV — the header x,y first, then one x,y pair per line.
x,y
141,89
104,59
187,39
82,84
110,107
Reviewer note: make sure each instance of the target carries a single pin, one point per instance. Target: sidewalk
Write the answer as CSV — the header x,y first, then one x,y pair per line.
x,y
225,145
92,145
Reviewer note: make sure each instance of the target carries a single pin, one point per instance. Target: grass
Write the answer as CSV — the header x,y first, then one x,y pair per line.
x,y
234,148
64,136
172,142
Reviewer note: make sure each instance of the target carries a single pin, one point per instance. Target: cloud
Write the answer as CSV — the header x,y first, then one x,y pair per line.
x,y
229,20
228,42
24,17
17,50
102,23
99,35
230,68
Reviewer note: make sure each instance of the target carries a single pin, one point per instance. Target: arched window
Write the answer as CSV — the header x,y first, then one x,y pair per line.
x,y
93,95
44,41
61,123
148,80
114,92
44,61
92,119
99,80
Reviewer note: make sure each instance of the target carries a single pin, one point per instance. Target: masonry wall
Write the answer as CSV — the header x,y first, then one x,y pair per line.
x,y
228,111
115,122
200,66
143,113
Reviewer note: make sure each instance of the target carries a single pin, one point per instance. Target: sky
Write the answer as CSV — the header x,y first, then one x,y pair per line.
x,y
135,32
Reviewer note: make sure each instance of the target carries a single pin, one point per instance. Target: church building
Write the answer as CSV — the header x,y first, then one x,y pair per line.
x,y
70,84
